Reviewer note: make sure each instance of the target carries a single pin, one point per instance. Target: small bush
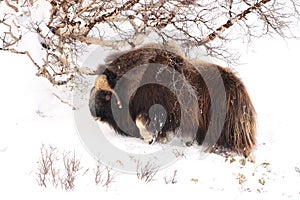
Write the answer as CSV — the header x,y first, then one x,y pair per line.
x,y
49,171
104,175
146,172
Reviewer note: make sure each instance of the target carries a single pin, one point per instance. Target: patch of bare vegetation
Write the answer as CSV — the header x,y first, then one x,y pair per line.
x,y
104,175
146,171
62,170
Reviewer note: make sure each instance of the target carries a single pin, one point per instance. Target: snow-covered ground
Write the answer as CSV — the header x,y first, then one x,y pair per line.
x,y
32,116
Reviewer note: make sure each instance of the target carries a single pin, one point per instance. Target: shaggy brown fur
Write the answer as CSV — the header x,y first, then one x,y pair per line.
x,y
238,132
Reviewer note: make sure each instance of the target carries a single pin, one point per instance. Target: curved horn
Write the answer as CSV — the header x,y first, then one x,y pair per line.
x,y
101,83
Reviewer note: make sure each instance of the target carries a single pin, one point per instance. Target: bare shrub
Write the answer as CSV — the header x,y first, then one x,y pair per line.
x,y
49,169
146,172
46,169
104,175
72,167
63,171
171,179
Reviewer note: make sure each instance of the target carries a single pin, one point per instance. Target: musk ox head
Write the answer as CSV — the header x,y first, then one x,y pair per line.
x,y
134,102
100,100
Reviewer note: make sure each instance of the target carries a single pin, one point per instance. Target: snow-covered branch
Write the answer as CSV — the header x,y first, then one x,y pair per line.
x,y
232,21
67,27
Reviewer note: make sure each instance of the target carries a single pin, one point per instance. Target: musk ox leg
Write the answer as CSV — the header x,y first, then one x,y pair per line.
x,y
141,122
162,138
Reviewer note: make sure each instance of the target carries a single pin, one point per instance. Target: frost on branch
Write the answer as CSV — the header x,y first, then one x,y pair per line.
x,y
67,27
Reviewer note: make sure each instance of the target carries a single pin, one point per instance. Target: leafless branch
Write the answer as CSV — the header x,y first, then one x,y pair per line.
x,y
232,21
65,102
11,6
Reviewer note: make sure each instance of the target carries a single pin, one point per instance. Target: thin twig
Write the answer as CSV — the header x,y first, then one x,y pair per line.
x,y
65,102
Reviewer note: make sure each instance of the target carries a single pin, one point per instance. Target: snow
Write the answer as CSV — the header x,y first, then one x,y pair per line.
x,y
31,116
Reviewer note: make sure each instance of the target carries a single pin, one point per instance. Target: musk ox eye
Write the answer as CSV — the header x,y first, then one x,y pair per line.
x,y
107,97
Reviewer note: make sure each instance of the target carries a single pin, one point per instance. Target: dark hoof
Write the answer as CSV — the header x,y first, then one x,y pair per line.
x,y
189,143
152,141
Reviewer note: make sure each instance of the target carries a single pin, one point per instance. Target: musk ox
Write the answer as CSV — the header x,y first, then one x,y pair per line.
x,y
151,91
